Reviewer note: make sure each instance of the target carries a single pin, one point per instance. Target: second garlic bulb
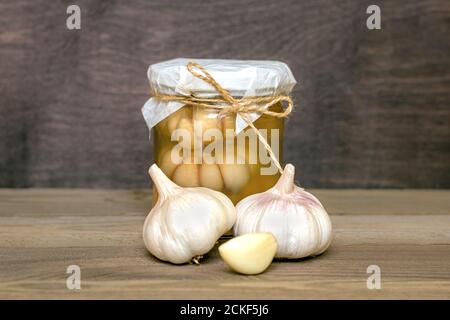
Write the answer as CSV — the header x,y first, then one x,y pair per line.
x,y
295,217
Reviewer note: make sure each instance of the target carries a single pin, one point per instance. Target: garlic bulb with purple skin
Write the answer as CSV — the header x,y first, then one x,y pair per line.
x,y
295,217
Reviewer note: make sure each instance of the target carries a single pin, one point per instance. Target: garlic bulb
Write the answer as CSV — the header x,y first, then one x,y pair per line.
x,y
185,223
295,217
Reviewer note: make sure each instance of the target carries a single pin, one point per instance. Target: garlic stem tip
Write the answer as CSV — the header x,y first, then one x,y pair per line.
x,y
289,168
286,182
153,167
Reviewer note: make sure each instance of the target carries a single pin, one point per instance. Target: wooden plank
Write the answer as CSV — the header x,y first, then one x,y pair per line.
x,y
58,202
114,263
371,105
412,250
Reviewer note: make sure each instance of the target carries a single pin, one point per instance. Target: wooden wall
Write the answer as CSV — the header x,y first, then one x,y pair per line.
x,y
372,107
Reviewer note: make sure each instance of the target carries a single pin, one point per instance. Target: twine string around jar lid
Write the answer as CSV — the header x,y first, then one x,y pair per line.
x,y
227,104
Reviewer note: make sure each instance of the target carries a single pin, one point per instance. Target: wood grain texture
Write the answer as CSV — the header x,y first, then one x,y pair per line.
x,y
372,106
57,202
42,232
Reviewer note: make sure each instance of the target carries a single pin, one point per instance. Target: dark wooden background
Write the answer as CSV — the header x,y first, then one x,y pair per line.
x,y
373,107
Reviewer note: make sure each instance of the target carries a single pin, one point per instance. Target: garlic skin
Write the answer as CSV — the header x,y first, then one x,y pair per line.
x,y
295,217
185,223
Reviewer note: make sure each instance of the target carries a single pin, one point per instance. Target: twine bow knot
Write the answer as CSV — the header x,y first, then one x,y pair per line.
x,y
227,104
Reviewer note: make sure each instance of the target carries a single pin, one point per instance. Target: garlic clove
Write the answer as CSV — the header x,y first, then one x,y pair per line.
x,y
235,176
207,119
186,125
229,128
165,162
172,122
250,253
181,120
186,175
210,177
295,217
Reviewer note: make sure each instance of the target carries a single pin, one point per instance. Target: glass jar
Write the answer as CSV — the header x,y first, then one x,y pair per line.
x,y
197,147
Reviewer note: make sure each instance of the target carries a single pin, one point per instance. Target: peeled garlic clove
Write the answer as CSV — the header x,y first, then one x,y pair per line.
x,y
165,162
205,119
249,254
185,223
295,217
173,121
229,128
186,175
180,127
186,125
235,176
210,177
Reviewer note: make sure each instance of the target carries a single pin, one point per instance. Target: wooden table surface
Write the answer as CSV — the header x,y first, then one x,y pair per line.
x,y
43,231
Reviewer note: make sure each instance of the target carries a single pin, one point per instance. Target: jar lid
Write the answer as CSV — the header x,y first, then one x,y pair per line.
x,y
242,78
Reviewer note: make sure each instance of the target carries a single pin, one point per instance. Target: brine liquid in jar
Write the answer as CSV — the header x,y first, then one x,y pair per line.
x,y
208,153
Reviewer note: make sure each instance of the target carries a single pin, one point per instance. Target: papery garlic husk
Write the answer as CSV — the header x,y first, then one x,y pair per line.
x,y
185,223
295,217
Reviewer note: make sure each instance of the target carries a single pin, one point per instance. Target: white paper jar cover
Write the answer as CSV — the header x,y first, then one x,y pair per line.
x,y
242,78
